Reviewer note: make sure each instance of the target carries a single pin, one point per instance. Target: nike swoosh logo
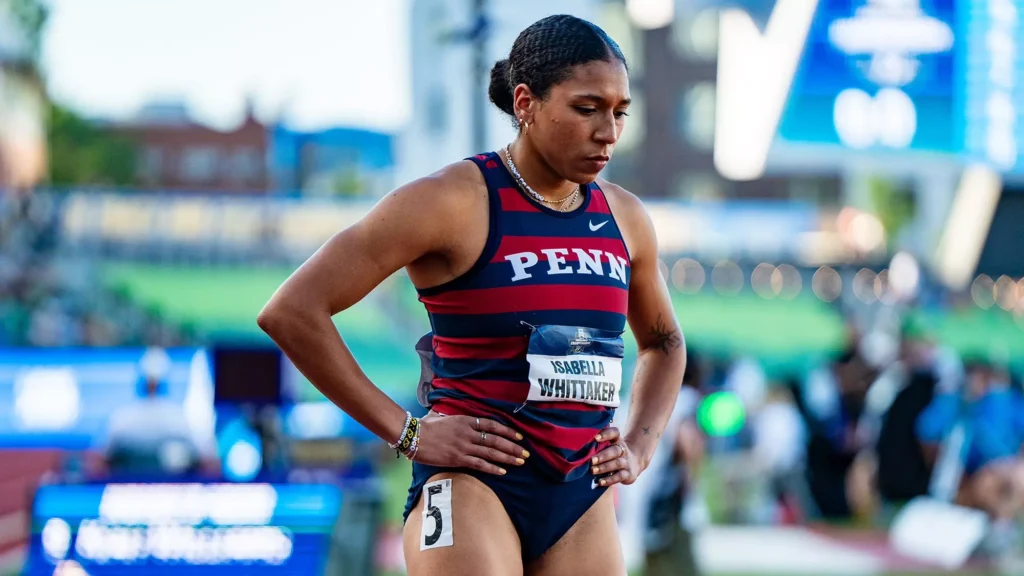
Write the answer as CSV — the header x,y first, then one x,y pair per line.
x,y
594,228
593,484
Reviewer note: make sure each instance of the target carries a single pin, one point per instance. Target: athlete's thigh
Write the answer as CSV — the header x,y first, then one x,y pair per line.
x,y
482,539
592,546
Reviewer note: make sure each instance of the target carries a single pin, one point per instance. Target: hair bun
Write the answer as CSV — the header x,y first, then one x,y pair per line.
x,y
500,88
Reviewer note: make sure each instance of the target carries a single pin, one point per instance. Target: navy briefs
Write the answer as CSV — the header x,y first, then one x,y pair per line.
x,y
542,510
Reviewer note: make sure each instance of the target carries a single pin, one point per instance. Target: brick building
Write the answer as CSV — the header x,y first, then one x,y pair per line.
x,y
176,153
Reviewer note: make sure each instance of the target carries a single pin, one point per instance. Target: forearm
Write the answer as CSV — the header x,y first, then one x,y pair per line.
x,y
656,384
311,341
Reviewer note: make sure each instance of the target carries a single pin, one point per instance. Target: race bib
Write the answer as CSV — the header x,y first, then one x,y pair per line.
x,y
571,364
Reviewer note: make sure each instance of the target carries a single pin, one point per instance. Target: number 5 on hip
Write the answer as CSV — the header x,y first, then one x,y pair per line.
x,y
436,529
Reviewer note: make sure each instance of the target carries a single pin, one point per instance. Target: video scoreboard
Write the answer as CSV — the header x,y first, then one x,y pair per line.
x,y
938,76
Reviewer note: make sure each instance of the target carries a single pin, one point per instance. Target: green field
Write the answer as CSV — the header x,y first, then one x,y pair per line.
x,y
222,304
786,336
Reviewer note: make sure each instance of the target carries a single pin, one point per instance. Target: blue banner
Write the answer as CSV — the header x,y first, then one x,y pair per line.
x,y
67,398
64,398
183,528
878,75
994,83
935,75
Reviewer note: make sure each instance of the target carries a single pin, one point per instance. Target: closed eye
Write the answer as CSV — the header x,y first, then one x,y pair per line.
x,y
584,110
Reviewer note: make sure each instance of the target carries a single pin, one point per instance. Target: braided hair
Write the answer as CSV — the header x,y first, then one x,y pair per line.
x,y
545,53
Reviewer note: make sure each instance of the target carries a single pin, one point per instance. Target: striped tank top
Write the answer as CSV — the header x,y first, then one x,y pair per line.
x,y
531,335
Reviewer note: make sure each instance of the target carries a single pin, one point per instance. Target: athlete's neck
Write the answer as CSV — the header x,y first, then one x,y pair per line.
x,y
537,173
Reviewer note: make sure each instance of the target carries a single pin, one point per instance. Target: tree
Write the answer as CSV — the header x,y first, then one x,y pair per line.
x,y
893,205
30,17
80,152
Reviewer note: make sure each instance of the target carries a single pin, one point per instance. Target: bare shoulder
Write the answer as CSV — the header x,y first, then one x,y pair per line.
x,y
458,178
456,185
435,226
421,214
623,203
632,217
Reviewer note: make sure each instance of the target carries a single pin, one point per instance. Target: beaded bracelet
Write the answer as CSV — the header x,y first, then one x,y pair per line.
x,y
411,452
411,436
405,430
408,442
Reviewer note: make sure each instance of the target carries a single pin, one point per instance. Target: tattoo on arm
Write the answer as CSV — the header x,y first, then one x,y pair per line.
x,y
665,338
647,430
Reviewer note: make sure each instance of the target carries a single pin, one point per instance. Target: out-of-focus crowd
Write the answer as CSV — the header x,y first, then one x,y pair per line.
x,y
850,442
47,299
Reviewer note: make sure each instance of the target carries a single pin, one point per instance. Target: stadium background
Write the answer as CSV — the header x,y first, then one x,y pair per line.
x,y
815,179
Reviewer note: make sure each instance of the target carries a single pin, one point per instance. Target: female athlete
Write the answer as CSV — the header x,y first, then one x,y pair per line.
x,y
529,268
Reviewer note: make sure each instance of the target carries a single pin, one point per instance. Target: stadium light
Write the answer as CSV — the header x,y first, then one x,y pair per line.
x,y
688,276
755,72
983,292
727,278
970,218
827,284
651,14
763,281
1005,293
864,285
790,282
883,288
904,275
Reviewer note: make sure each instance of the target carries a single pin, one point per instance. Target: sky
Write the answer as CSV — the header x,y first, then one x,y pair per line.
x,y
314,63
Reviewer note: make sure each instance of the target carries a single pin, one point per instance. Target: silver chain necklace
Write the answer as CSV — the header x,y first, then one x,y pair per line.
x,y
563,203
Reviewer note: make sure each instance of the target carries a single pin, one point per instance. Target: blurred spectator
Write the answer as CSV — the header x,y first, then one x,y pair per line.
x,y
152,435
266,422
671,477
832,402
747,380
780,440
992,415
903,472
48,300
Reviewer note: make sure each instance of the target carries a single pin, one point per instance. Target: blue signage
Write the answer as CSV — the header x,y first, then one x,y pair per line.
x,y
924,75
65,398
68,398
994,83
183,528
878,74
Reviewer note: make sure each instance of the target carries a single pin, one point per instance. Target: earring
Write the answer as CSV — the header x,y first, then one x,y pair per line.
x,y
526,126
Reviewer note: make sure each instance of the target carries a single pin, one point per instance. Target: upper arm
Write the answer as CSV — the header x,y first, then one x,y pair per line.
x,y
651,315
404,226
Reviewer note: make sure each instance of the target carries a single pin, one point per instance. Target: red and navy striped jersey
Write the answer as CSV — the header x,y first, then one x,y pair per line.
x,y
538,267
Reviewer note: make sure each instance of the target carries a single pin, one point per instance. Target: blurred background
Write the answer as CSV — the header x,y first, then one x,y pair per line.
x,y
837,187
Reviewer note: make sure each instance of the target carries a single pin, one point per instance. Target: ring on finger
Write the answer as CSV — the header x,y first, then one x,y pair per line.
x,y
483,436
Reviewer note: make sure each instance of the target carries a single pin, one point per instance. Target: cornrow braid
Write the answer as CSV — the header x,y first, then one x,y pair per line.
x,y
545,53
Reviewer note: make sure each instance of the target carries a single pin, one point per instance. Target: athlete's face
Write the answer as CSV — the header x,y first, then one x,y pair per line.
x,y
576,127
